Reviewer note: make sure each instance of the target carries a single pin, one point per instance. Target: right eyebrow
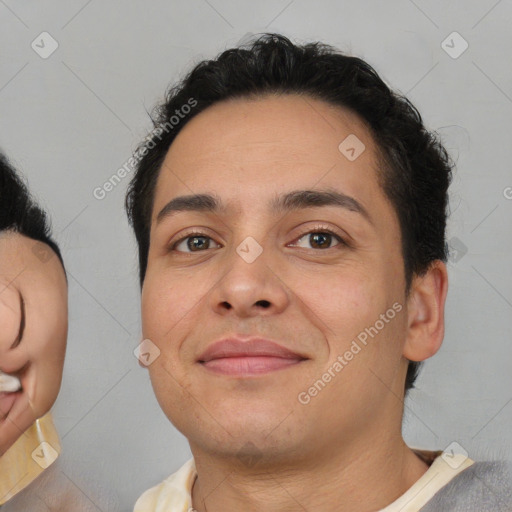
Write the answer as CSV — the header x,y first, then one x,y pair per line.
x,y
195,202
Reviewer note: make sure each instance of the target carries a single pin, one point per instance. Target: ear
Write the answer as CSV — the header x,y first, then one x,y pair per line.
x,y
425,310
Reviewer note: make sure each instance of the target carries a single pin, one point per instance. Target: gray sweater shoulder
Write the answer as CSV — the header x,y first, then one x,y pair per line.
x,y
483,487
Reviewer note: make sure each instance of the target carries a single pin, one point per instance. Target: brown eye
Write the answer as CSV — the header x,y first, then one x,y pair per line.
x,y
194,242
321,239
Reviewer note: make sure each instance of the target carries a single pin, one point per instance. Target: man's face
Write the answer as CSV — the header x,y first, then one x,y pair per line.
x,y
306,290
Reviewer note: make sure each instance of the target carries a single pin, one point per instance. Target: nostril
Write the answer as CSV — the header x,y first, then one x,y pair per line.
x,y
264,303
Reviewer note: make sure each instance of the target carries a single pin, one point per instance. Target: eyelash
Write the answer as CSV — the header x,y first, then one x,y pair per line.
x,y
316,229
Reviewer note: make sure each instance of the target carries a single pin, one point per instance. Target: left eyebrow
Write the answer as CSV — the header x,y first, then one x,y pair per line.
x,y
300,199
295,200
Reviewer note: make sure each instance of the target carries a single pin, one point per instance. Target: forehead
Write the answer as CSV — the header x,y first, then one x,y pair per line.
x,y
245,148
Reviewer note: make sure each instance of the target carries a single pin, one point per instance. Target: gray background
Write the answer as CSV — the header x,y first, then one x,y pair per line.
x,y
71,120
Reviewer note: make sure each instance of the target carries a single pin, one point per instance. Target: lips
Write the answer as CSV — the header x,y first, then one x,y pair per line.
x,y
6,403
9,390
239,356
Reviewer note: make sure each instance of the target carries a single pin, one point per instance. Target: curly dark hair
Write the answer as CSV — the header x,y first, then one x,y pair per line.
x,y
414,172
18,210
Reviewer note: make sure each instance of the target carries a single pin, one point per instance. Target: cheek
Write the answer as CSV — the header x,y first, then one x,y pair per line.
x,y
164,300
344,298
170,304
10,315
349,302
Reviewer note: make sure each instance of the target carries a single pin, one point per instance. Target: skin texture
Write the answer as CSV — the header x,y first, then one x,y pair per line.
x,y
31,270
255,445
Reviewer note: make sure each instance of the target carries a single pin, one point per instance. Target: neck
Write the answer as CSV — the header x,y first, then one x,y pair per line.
x,y
358,478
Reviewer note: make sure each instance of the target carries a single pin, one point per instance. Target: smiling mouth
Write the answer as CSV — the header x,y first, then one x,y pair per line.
x,y
10,390
249,365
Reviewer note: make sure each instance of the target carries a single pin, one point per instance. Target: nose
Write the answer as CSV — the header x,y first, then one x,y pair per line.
x,y
249,287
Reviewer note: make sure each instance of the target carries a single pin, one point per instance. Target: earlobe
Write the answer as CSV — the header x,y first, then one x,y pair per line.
x,y
425,310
